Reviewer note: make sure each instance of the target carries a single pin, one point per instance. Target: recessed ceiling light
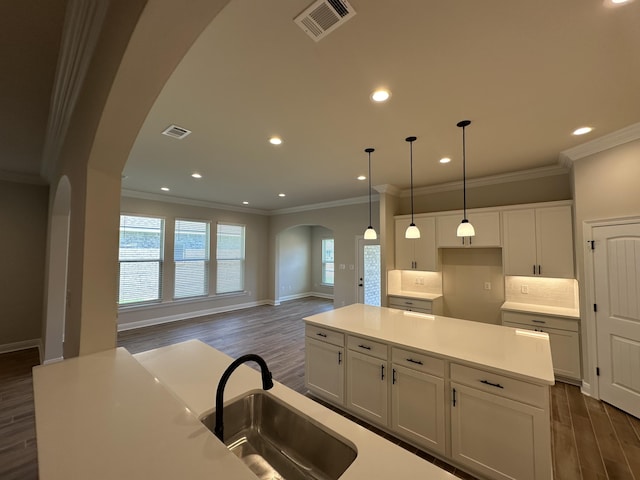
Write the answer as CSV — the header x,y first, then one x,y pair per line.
x,y
445,160
282,195
245,203
582,130
380,95
275,140
164,189
362,177
196,175
619,2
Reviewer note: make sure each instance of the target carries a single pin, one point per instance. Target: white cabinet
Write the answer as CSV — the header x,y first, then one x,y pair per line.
x,y
538,241
564,339
419,253
367,383
498,428
324,366
416,304
418,399
486,225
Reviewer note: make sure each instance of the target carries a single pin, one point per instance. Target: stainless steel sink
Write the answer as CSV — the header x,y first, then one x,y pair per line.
x,y
278,442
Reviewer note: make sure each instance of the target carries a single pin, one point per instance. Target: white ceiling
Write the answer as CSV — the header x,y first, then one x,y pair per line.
x,y
525,72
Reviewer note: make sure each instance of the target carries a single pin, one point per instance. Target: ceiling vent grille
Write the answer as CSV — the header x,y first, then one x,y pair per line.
x,y
174,131
323,17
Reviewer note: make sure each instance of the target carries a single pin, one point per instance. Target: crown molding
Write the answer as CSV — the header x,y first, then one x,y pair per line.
x,y
619,137
319,206
521,175
82,26
387,188
190,201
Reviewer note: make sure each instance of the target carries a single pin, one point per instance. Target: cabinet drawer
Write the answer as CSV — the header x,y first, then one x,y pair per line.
x,y
417,361
405,303
325,335
500,385
541,321
368,347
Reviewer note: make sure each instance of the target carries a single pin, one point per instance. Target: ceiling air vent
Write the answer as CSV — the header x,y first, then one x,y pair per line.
x,y
175,131
323,17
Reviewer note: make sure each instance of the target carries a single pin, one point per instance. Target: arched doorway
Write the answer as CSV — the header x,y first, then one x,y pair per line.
x,y
56,286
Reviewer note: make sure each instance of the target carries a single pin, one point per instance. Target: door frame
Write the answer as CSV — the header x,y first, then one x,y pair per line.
x,y
590,381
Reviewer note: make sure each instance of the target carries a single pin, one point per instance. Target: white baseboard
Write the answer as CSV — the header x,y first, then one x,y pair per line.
x,y
298,296
186,315
586,388
23,345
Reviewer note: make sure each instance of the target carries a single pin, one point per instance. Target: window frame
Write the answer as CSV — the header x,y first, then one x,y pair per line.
x,y
323,262
241,259
206,261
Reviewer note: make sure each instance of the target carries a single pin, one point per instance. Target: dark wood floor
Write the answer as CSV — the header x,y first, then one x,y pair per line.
x,y
591,440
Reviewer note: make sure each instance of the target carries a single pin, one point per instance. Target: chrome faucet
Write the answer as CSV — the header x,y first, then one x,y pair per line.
x,y
267,383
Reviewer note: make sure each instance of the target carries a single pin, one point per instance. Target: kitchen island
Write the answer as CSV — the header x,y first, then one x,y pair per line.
x,y
112,415
473,394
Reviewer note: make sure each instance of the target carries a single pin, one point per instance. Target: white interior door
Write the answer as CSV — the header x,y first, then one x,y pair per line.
x,y
369,272
617,296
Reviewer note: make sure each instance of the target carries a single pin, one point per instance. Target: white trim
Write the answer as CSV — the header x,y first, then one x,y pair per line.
x,y
319,206
389,189
619,137
189,201
522,175
22,345
585,388
590,380
187,315
297,296
16,177
52,360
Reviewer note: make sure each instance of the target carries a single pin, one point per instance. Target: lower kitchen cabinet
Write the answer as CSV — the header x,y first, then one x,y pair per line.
x,y
367,386
324,367
500,425
564,339
417,408
412,304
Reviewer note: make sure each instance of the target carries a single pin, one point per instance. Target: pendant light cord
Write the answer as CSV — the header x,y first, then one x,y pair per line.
x,y
411,170
369,188
464,171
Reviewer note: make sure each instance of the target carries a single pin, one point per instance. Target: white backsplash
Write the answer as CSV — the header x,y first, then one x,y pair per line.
x,y
555,292
413,281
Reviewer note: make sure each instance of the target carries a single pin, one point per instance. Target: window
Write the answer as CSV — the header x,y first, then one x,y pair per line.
x,y
191,257
140,259
327,261
230,258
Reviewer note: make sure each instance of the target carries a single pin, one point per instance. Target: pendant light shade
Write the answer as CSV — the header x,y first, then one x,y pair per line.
x,y
370,233
465,229
412,231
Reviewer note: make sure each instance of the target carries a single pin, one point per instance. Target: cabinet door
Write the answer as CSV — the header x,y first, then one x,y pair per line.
x,y
554,237
486,225
498,437
425,251
519,252
367,387
324,370
565,349
417,407
419,253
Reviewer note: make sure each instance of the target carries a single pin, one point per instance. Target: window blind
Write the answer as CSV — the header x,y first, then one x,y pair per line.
x,y
230,258
140,259
191,257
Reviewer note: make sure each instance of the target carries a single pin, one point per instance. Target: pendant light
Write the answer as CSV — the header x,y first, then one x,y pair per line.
x,y
412,231
465,229
370,233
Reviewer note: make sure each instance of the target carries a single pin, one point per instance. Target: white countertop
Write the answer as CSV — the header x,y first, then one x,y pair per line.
x,y
519,353
112,416
418,295
542,309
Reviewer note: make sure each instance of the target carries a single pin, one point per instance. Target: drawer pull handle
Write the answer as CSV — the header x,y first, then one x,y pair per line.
x,y
365,347
408,303
323,335
537,321
487,382
418,362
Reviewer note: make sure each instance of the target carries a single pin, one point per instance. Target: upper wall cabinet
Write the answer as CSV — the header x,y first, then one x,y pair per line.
x,y
538,242
419,253
486,225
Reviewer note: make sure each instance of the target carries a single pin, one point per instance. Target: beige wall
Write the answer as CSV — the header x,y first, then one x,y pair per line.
x,y
605,187
256,254
294,261
23,215
347,223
